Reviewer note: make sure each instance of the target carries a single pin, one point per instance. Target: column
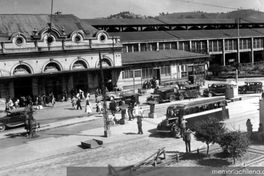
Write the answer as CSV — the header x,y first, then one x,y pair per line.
x,y
157,46
139,47
223,53
35,87
11,88
2,88
261,111
70,82
190,47
238,51
252,51
64,85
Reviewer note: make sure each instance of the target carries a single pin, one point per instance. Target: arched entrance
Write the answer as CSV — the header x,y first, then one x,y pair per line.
x,y
53,83
107,74
80,79
22,85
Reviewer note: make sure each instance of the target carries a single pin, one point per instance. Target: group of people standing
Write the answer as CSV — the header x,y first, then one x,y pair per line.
x,y
39,101
77,99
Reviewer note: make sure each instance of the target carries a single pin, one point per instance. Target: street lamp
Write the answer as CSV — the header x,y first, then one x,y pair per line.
x,y
105,114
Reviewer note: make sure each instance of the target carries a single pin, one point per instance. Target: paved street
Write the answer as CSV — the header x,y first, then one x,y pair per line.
x,y
58,147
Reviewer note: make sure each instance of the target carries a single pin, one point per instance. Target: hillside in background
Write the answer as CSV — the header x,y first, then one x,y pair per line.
x,y
126,15
243,13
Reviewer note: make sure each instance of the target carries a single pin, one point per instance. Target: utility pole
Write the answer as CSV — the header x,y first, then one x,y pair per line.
x,y
105,114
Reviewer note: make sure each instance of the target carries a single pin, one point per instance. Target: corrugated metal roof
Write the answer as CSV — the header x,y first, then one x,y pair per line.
x,y
159,56
148,36
118,22
143,36
25,23
165,20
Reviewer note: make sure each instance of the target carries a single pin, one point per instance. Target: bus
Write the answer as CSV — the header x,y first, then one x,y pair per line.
x,y
192,111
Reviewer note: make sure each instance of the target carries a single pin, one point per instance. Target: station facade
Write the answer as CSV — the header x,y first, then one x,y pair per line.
x,y
41,57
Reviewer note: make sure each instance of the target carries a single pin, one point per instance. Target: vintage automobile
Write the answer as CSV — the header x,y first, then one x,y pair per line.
x,y
169,126
130,97
179,92
218,89
115,93
191,112
250,87
12,118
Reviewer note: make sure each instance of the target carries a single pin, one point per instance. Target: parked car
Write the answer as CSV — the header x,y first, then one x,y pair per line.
x,y
130,97
218,89
115,93
12,118
179,92
250,87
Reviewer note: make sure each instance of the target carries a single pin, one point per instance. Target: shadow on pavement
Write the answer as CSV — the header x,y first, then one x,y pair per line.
x,y
70,134
72,109
130,133
155,134
14,135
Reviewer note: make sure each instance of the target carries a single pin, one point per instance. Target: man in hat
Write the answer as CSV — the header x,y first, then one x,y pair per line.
x,y
139,116
183,126
187,140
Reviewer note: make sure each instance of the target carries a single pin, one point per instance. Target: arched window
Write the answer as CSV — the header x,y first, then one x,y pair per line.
x,y
22,70
52,67
105,63
79,64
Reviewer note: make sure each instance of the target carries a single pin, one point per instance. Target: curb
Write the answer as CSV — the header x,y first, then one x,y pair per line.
x,y
53,125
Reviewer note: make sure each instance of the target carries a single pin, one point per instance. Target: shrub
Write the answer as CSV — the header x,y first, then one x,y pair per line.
x,y
208,131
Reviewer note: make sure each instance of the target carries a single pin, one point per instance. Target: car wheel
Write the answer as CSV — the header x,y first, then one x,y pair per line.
x,y
172,98
2,127
181,97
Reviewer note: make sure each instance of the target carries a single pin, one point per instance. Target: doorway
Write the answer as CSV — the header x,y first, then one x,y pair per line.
x,y
156,73
23,87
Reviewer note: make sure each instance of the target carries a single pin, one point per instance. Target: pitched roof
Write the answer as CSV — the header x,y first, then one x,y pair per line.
x,y
159,56
148,36
118,22
26,23
165,20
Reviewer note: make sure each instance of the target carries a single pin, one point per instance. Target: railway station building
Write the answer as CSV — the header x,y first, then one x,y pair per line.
x,y
39,57
39,54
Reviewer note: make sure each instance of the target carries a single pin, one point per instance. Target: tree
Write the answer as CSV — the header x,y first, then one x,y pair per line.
x,y
208,131
235,143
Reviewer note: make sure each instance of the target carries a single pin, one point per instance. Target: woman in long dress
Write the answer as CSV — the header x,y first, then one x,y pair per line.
x,y
88,108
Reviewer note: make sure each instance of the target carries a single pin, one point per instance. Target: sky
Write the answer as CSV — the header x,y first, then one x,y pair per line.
x,y
102,8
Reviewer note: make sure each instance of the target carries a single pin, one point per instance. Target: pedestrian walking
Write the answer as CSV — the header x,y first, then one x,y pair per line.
x,y
78,104
260,129
17,103
88,108
130,110
139,117
249,127
99,107
52,100
183,126
187,140
112,106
